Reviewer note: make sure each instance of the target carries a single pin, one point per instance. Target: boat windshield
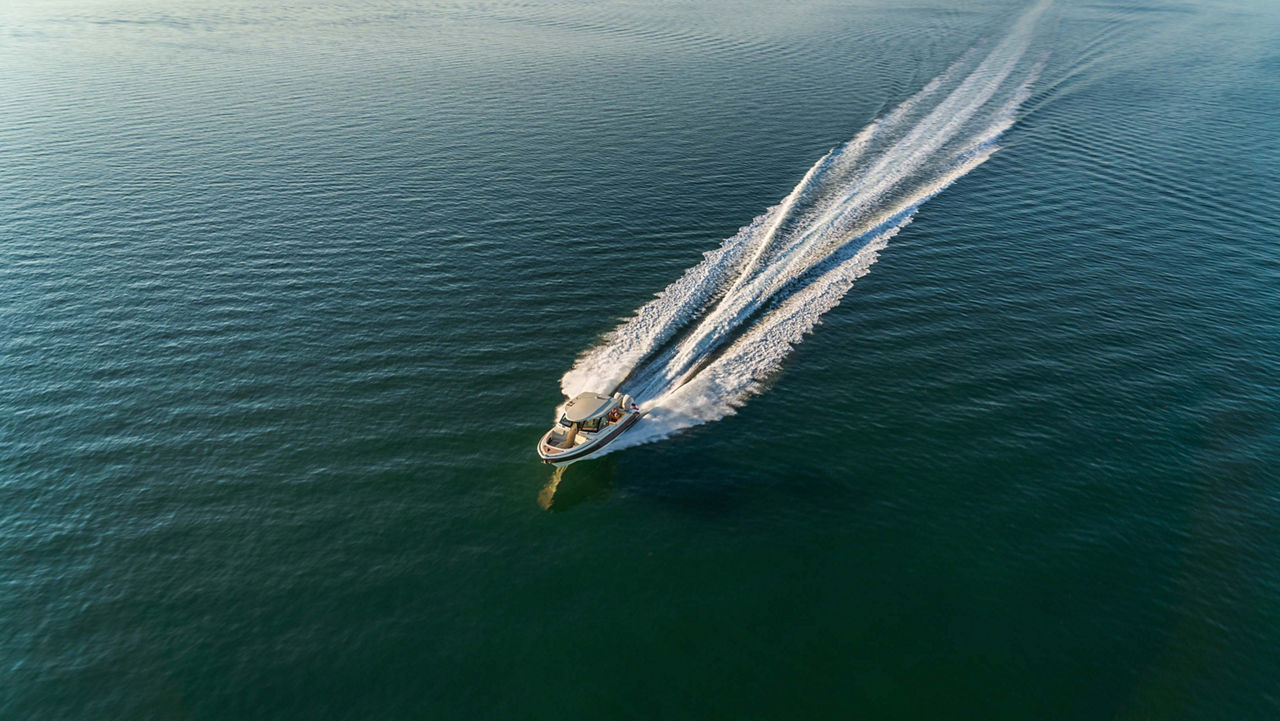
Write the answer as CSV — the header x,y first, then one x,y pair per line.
x,y
590,426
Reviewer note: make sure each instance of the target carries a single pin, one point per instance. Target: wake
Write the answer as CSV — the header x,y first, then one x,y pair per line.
x,y
701,347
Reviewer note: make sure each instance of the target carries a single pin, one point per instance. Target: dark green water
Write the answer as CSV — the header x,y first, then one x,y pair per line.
x,y
287,293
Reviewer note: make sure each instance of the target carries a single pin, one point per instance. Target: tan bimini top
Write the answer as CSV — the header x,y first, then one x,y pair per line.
x,y
586,406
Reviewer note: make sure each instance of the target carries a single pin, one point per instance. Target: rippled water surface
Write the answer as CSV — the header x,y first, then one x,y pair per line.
x,y
960,324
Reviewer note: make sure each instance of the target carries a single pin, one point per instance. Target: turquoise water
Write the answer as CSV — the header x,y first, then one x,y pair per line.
x,y
288,293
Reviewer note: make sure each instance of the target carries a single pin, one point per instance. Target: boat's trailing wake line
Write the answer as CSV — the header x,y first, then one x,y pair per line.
x,y
701,347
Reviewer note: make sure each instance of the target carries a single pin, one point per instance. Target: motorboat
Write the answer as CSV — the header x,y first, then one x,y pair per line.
x,y
590,422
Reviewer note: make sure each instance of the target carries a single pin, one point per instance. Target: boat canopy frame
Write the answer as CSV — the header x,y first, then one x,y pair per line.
x,y
589,406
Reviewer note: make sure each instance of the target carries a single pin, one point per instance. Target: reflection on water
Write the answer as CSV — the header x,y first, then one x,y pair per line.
x,y
578,482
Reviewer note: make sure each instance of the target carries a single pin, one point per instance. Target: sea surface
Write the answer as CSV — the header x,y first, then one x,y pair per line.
x,y
958,323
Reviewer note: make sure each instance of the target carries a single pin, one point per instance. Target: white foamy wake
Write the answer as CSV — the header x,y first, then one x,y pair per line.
x,y
701,347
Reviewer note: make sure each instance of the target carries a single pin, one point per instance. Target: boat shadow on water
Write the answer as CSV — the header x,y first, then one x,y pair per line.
x,y
569,486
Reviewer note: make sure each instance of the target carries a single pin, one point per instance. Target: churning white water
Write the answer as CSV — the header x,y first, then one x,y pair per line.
x,y
700,348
